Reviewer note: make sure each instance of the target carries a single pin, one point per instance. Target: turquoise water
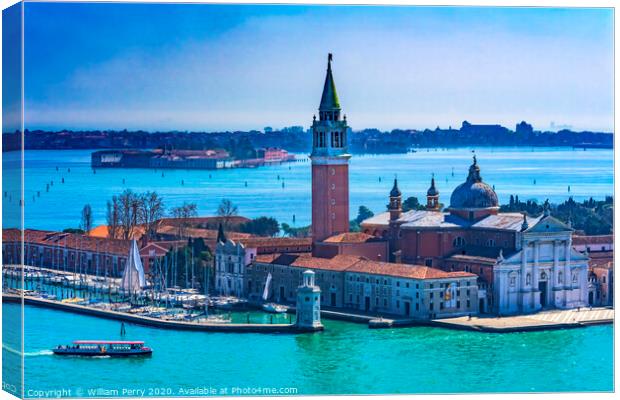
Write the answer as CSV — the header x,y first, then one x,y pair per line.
x,y
511,170
345,358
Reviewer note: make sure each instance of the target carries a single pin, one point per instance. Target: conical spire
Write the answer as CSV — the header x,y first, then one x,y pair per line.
x,y
432,191
329,100
395,192
221,237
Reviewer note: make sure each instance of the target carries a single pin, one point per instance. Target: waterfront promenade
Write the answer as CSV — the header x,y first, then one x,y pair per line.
x,y
544,320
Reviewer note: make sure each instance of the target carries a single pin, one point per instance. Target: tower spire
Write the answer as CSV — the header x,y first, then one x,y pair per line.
x,y
221,237
329,99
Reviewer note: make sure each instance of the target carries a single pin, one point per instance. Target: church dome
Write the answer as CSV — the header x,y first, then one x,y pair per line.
x,y
473,193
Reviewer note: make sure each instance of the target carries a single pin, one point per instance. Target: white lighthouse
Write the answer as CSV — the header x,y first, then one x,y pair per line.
x,y
309,304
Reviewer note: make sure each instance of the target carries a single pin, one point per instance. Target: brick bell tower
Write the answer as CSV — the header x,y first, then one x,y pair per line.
x,y
330,165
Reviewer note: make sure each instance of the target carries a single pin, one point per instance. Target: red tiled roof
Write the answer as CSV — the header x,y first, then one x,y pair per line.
x,y
359,264
198,221
199,232
338,263
274,242
69,240
350,237
404,270
594,239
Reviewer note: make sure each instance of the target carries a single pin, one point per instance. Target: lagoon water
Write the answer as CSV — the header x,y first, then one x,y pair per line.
x,y
345,358
283,191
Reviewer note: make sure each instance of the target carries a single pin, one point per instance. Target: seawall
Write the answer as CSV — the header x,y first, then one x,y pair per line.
x,y
154,322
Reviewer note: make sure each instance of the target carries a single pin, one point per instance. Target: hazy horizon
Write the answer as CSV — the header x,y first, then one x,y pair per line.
x,y
196,67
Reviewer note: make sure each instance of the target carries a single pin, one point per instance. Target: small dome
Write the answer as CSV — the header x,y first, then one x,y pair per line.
x,y
473,193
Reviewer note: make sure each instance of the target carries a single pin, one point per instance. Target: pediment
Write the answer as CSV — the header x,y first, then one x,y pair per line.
x,y
549,224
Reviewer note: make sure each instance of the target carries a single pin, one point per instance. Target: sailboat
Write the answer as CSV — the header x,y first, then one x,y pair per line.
x,y
271,307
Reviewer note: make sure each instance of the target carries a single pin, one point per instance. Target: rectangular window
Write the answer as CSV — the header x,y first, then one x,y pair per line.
x,y
468,303
458,304
417,306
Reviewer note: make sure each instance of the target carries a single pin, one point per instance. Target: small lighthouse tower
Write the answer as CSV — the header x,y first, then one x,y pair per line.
x,y
309,304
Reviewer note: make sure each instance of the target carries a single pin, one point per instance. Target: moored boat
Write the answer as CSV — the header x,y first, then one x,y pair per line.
x,y
98,348
274,308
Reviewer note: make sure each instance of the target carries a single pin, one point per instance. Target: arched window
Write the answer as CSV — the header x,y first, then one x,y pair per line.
x,y
528,279
490,243
560,277
458,242
575,278
543,276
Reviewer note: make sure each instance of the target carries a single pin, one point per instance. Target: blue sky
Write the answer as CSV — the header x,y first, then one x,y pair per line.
x,y
214,67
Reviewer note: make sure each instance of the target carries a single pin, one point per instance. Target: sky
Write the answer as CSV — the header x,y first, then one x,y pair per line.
x,y
240,67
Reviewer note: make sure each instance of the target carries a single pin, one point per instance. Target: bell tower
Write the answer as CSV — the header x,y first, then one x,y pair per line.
x,y
330,165
432,196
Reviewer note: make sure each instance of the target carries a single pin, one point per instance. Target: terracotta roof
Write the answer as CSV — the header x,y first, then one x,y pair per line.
x,y
350,237
595,239
203,221
102,232
405,270
358,264
338,263
70,240
258,242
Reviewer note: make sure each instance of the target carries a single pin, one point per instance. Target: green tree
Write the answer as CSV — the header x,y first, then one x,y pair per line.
x,y
262,226
412,203
363,213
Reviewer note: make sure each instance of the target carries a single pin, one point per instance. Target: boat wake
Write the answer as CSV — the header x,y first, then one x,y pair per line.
x,y
28,353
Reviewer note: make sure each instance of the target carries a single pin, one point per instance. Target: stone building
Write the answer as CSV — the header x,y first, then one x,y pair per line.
x,y
63,251
354,282
461,260
523,263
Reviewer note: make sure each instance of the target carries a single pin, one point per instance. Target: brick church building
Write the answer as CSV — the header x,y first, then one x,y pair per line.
x,y
428,263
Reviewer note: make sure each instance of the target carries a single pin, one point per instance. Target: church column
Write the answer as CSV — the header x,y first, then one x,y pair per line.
x,y
568,279
522,295
535,276
556,268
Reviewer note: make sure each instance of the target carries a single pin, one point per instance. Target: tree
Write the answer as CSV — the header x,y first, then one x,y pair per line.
x,y
226,210
182,213
112,217
262,226
412,203
363,213
129,204
87,219
151,211
288,230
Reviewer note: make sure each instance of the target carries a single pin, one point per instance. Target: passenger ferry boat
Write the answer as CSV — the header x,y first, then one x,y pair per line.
x,y
111,348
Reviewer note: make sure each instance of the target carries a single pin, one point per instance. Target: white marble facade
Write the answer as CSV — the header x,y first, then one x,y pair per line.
x,y
545,272
231,259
